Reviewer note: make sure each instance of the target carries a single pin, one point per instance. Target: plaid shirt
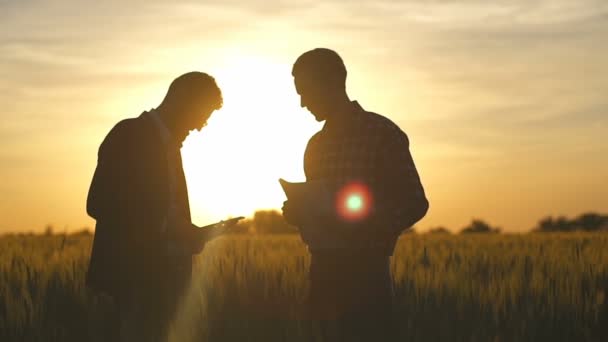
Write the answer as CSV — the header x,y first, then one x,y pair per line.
x,y
370,149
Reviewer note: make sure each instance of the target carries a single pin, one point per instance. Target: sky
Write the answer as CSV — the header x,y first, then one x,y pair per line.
x,y
504,102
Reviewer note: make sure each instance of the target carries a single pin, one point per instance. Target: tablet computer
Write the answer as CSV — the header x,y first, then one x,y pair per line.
x,y
315,196
223,223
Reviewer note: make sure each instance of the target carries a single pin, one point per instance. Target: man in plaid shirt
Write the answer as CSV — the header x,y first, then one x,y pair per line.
x,y
364,160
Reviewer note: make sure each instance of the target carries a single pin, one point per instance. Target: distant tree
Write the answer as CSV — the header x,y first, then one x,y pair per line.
x,y
546,224
48,230
85,231
586,222
271,222
242,227
562,224
479,226
591,221
439,230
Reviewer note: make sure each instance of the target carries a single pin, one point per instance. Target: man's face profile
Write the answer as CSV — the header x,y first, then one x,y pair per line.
x,y
312,96
194,117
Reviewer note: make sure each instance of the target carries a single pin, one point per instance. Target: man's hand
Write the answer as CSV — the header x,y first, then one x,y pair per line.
x,y
291,214
212,231
202,236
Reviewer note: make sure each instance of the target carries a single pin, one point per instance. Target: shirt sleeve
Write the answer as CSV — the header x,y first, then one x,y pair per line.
x,y
400,200
119,191
111,175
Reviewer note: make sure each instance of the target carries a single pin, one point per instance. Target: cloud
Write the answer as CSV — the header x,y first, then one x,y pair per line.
x,y
55,51
476,84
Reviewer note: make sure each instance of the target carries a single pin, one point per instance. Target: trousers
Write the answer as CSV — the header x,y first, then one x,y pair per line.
x,y
351,295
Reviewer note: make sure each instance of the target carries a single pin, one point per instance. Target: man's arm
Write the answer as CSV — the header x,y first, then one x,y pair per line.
x,y
119,191
294,213
398,200
110,174
400,197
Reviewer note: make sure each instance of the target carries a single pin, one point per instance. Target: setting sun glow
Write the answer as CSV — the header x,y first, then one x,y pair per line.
x,y
233,165
504,103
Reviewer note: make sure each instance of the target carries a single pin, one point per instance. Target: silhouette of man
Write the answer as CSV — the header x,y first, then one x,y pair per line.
x,y
365,160
144,238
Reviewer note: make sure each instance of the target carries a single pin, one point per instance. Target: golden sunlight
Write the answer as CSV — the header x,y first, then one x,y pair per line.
x,y
233,165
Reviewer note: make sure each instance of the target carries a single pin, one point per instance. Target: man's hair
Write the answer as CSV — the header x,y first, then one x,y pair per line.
x,y
321,64
194,84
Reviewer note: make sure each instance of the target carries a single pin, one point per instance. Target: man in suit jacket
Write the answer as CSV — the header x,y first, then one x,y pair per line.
x,y
144,237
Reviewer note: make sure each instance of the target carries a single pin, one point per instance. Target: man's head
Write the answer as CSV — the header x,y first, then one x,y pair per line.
x,y
320,80
189,102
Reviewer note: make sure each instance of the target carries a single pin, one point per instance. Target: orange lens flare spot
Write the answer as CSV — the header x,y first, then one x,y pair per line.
x,y
354,202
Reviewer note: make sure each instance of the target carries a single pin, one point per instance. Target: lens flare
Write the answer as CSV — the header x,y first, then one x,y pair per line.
x,y
354,202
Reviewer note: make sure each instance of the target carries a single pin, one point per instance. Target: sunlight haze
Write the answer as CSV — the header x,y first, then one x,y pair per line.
x,y
504,102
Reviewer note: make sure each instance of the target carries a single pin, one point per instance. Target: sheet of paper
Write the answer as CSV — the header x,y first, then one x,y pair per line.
x,y
315,196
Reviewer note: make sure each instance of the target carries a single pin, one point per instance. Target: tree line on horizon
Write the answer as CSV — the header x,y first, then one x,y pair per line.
x,y
272,222
589,222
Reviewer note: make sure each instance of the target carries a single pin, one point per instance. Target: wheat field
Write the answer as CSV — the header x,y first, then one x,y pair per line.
x,y
476,287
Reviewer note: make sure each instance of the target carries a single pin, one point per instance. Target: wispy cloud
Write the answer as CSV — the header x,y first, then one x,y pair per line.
x,y
474,82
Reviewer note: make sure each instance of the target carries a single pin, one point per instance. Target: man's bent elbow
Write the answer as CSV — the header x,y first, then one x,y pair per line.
x,y
414,213
422,209
92,208
419,211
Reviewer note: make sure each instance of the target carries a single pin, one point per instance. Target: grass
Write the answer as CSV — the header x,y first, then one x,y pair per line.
x,y
476,287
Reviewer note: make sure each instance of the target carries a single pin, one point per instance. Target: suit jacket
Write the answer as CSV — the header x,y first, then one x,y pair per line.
x,y
129,198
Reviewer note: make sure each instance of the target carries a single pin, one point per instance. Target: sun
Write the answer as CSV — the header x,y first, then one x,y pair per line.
x,y
233,165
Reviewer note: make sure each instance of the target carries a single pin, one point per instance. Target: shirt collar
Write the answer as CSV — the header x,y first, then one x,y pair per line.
x,y
165,134
338,122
